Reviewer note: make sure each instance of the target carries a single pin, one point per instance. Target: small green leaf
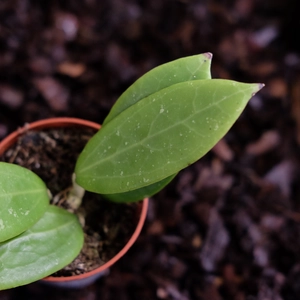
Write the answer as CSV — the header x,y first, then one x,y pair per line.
x,y
161,134
141,193
183,69
23,200
52,243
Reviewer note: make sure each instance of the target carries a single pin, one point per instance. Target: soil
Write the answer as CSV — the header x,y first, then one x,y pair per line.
x,y
228,226
107,226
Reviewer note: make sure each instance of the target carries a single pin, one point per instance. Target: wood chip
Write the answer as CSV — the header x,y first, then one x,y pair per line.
x,y
282,175
277,87
223,151
215,242
54,93
10,96
267,142
71,69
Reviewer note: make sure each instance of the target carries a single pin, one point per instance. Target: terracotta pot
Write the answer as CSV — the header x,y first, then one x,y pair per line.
x,y
89,277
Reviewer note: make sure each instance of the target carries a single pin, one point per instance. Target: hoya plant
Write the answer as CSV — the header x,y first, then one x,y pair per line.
x,y
165,121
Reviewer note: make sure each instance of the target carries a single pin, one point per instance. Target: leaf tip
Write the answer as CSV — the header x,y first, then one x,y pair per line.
x,y
208,55
259,87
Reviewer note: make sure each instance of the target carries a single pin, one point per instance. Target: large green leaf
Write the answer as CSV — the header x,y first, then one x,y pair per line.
x,y
23,200
161,134
183,69
52,243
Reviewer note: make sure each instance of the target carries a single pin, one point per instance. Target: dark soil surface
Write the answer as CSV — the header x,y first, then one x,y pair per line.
x,y
228,227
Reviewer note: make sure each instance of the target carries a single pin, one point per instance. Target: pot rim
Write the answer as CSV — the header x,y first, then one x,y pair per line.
x,y
66,122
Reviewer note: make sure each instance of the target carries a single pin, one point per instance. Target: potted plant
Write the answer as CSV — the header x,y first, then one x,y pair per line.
x,y
165,121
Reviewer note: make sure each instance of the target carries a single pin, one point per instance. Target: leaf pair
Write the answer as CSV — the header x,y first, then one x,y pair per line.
x,y
153,137
181,70
36,239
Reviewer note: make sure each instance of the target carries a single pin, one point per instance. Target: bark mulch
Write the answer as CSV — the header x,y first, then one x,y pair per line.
x,y
228,227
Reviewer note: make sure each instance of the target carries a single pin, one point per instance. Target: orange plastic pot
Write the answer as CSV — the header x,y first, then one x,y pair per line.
x,y
89,277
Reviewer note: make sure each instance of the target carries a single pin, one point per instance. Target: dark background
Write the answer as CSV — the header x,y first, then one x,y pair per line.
x,y
227,227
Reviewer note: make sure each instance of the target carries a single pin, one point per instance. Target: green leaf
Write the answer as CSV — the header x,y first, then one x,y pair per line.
x,y
140,193
23,200
52,243
161,134
184,69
